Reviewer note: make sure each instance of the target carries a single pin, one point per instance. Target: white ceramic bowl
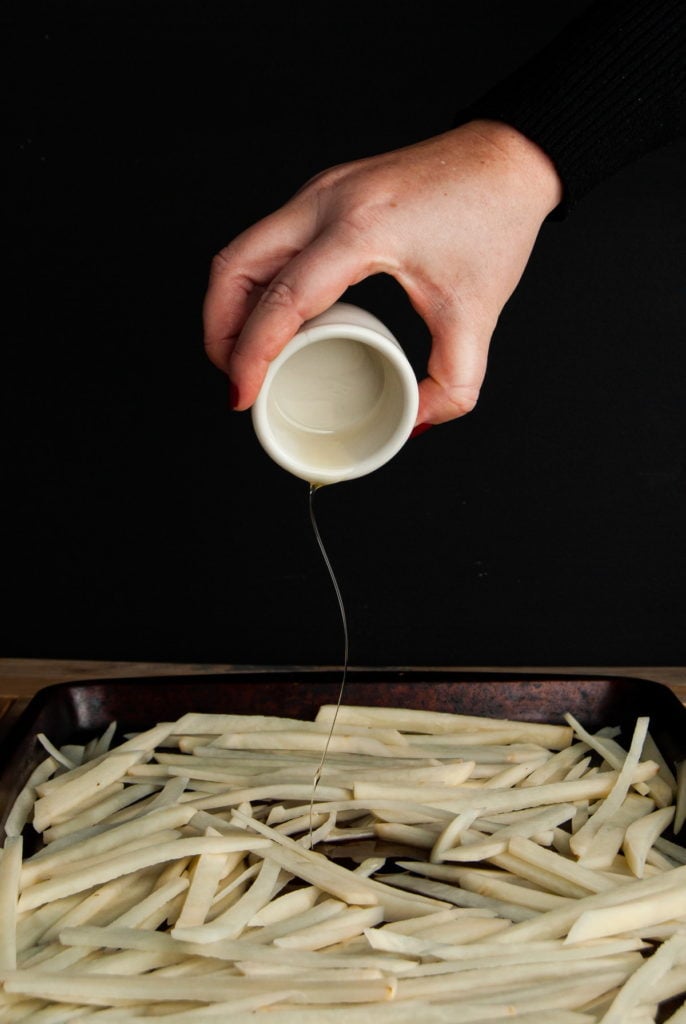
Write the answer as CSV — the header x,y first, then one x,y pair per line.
x,y
339,400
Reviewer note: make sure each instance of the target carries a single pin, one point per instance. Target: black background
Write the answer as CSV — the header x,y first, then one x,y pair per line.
x,y
141,518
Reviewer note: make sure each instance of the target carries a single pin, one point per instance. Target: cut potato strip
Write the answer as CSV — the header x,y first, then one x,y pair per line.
x,y
490,956
557,767
409,720
76,881
601,852
268,880
285,907
676,853
103,904
452,834
483,849
646,978
603,744
629,917
321,911
232,950
618,793
499,801
552,862
61,756
448,893
347,924
45,863
557,923
22,808
213,725
397,1013
513,775
80,790
328,876
10,870
305,740
205,879
485,984
641,834
109,991
103,809
462,934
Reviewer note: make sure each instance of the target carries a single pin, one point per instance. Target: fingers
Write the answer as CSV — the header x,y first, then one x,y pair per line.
x,y
307,285
439,403
456,370
240,273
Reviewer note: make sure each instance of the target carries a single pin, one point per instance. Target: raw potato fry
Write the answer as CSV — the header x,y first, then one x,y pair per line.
x,y
548,860
450,893
347,924
443,868
77,881
604,745
43,864
629,917
59,755
302,740
285,907
557,767
23,806
105,991
119,798
646,977
10,869
233,921
205,879
530,826
677,854
452,834
607,841
641,835
81,789
314,915
618,793
409,720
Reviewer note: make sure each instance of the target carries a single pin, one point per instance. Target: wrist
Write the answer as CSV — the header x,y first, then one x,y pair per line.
x,y
535,169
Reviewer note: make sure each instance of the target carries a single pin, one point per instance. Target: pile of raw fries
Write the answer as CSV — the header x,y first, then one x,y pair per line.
x,y
437,868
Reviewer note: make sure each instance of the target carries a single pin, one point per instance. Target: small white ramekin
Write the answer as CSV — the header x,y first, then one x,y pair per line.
x,y
339,400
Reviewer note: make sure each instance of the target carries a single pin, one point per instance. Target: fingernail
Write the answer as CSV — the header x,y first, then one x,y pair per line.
x,y
420,429
233,395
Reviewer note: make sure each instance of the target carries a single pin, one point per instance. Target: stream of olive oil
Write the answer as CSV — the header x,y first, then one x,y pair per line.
x,y
346,644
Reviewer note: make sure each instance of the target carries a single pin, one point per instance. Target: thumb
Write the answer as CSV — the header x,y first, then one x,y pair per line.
x,y
456,371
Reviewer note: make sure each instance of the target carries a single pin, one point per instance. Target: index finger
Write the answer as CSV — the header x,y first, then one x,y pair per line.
x,y
239,273
307,285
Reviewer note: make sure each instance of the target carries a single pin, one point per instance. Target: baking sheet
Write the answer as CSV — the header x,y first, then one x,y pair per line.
x,y
74,712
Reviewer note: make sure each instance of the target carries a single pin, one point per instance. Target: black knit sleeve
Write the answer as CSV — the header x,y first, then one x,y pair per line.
x,y
605,91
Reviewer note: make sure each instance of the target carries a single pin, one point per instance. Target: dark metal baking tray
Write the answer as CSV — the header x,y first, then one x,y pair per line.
x,y
74,712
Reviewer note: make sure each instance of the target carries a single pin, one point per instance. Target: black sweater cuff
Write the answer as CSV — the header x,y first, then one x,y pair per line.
x,y
605,91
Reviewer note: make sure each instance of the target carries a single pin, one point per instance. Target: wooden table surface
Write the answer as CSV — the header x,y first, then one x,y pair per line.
x,y
20,678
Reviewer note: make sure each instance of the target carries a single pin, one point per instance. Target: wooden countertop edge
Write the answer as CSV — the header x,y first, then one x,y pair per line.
x,y
21,678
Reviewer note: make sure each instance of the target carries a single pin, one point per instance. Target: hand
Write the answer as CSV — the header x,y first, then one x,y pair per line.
x,y
453,219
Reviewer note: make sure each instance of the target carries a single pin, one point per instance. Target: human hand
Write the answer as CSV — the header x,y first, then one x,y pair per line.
x,y
453,219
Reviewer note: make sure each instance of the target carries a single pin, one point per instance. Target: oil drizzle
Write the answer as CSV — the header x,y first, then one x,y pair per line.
x,y
346,646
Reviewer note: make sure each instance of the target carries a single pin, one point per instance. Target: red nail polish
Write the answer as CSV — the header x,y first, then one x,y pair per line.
x,y
233,395
420,429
